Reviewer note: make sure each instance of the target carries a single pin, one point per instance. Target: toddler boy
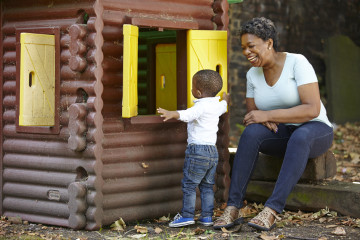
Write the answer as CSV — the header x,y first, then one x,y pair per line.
x,y
201,155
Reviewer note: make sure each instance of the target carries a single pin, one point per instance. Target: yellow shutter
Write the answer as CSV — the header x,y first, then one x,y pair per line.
x,y
166,96
206,49
37,80
130,69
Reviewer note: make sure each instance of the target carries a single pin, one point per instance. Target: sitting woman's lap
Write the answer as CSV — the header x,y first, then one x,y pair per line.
x,y
316,135
295,143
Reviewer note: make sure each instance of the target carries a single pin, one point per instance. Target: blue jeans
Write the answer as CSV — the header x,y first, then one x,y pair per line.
x,y
296,144
199,170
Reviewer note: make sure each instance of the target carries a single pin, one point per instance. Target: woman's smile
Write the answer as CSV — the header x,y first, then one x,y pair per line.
x,y
252,59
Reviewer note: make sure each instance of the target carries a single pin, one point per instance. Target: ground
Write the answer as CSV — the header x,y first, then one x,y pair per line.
x,y
321,225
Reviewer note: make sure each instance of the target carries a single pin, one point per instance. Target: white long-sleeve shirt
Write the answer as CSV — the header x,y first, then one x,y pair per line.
x,y
203,119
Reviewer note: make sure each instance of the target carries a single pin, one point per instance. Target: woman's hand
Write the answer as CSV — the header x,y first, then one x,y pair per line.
x,y
271,126
255,116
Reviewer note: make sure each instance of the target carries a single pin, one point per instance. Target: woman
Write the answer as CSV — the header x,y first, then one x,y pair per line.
x,y
285,117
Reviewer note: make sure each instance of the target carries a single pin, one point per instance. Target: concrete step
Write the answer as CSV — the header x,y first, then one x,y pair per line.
x,y
341,197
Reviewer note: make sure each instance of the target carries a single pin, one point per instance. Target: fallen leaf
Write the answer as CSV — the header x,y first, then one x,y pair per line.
x,y
247,212
118,225
339,231
202,237
268,237
225,235
281,224
141,229
331,226
355,158
199,231
322,238
258,207
158,230
137,236
225,230
164,219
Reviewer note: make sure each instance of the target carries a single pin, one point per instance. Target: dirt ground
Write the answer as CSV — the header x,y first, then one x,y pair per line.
x,y
322,225
295,225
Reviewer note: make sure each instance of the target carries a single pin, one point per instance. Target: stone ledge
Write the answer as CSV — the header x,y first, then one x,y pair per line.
x,y
341,197
268,167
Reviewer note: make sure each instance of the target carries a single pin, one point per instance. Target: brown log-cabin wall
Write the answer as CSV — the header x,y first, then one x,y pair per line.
x,y
99,167
37,166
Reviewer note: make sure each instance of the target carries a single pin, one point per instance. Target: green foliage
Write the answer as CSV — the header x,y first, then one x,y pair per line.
x,y
235,1
86,17
240,127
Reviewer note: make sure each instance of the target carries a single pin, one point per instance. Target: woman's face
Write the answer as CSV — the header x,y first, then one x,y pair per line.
x,y
255,49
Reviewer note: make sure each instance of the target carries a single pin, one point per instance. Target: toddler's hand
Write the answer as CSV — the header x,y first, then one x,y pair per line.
x,y
165,114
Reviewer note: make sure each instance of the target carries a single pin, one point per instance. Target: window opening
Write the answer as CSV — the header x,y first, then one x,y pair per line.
x,y
154,70
31,77
82,96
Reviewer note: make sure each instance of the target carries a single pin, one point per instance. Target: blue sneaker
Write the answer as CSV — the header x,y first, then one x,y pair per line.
x,y
180,221
206,221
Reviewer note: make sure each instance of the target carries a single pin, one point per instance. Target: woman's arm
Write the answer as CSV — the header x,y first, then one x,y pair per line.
x,y
250,106
307,110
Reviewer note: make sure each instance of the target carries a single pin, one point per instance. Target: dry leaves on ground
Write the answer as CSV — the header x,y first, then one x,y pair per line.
x,y
346,147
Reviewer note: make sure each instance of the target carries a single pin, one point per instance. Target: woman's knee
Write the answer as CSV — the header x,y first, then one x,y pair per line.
x,y
300,139
254,131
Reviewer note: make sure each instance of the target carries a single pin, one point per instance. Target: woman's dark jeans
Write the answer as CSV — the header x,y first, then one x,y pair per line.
x,y
295,143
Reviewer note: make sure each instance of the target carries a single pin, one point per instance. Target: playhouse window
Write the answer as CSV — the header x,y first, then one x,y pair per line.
x,y
149,77
150,67
37,81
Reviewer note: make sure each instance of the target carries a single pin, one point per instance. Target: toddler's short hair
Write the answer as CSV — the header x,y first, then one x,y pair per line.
x,y
208,82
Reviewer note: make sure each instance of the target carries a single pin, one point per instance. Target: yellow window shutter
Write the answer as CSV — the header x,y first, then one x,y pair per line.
x,y
37,80
130,69
206,49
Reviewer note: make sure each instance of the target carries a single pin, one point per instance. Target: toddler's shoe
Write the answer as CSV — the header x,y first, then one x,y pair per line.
x,y
206,221
180,221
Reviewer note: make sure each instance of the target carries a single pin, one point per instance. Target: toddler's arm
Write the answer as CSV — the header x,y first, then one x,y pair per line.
x,y
168,114
226,97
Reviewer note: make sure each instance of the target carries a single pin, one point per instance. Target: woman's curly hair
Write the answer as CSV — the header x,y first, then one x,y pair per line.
x,y
261,27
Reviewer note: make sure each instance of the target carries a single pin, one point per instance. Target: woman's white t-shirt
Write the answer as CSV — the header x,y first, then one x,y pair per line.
x,y
284,94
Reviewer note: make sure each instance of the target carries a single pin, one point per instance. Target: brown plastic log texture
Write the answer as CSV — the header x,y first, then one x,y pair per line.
x,y
99,167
